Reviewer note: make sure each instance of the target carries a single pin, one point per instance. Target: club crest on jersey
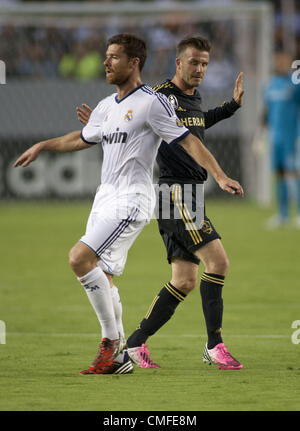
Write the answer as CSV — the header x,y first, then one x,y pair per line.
x,y
206,227
173,100
129,115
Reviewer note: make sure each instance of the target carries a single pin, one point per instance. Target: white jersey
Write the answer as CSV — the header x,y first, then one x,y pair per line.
x,y
130,131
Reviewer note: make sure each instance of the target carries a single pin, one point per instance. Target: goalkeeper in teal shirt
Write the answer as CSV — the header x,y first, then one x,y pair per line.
x,y
282,117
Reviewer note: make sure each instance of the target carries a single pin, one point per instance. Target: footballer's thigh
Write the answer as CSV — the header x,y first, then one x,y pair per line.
x,y
214,257
85,254
105,243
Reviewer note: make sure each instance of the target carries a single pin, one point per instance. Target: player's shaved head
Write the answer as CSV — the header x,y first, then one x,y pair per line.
x,y
133,46
197,42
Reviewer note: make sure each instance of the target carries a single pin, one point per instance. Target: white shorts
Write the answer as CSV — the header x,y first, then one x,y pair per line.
x,y
111,238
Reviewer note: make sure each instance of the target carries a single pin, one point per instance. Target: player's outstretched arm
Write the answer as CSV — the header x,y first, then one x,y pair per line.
x,y
83,113
67,143
204,158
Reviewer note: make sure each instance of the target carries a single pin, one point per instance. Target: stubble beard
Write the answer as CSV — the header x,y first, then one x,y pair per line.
x,y
116,80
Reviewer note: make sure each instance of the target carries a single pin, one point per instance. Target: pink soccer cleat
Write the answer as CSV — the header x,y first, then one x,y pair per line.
x,y
221,357
141,357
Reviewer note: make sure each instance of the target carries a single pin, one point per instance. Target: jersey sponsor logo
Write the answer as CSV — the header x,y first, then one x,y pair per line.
x,y
129,115
192,121
173,100
179,123
115,137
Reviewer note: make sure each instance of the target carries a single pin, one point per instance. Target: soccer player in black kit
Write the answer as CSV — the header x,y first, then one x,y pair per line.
x,y
187,247
187,243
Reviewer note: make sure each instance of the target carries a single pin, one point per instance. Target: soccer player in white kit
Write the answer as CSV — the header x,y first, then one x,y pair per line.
x,y
130,125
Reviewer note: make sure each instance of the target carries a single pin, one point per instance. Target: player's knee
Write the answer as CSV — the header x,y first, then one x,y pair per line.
x,y
75,260
219,267
224,265
186,285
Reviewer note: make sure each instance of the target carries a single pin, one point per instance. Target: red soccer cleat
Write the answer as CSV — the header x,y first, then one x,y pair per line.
x,y
107,352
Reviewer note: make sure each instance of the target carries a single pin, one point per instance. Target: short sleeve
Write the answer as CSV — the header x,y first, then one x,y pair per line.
x,y
164,122
91,133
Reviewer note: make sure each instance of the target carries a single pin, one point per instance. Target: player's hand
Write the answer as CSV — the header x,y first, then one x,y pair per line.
x,y
231,186
29,156
238,91
83,113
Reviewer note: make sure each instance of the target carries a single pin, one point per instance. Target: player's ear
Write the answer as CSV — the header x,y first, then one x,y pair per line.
x,y
178,62
135,62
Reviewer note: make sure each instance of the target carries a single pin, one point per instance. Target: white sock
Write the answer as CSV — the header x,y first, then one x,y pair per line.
x,y
97,288
118,309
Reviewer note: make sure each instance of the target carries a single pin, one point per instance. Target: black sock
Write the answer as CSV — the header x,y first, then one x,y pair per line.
x,y
212,303
160,311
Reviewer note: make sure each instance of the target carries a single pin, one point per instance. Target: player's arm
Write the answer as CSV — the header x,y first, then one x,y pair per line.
x,y
165,124
67,143
203,157
213,116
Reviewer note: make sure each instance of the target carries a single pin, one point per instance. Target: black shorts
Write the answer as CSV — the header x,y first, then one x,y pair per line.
x,y
179,240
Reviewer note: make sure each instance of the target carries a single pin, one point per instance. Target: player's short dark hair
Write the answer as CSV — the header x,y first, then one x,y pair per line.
x,y
197,42
133,46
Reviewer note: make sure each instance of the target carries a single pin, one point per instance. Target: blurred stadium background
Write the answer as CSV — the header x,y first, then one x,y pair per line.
x,y
53,52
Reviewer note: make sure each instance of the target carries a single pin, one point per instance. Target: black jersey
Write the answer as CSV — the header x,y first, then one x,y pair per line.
x,y
175,164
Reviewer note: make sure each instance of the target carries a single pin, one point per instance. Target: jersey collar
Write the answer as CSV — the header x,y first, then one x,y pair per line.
x,y
196,92
129,94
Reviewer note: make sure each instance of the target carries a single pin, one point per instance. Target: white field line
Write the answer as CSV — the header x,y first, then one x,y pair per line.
x,y
61,334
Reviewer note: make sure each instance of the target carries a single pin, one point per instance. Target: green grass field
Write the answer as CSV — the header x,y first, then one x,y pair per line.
x,y
52,330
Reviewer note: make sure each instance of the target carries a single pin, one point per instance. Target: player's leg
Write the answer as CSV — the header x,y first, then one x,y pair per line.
x,y
164,304
113,260
216,264
83,261
285,180
102,251
118,309
184,279
281,186
122,363
177,238
282,195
